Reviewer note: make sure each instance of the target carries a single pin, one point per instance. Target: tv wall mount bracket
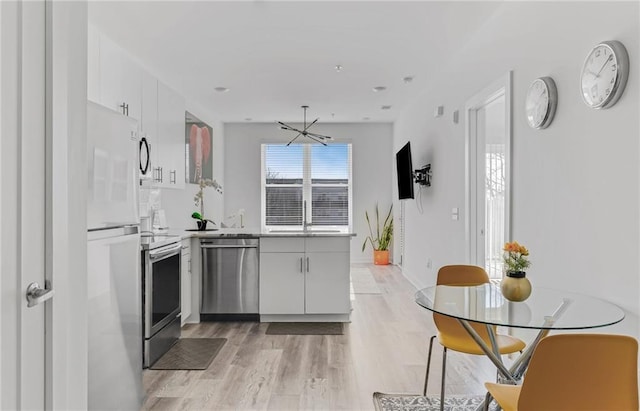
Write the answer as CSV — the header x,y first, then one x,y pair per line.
x,y
422,175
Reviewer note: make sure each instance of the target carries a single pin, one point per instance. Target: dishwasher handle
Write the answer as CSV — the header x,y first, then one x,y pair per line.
x,y
228,245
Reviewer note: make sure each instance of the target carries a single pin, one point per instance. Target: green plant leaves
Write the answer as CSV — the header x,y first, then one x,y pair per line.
x,y
382,240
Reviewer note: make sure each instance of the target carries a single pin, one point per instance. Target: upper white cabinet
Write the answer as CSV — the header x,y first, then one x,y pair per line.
x,y
149,121
120,79
116,81
93,65
171,137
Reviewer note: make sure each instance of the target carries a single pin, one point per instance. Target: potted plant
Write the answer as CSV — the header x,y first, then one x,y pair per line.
x,y
515,286
199,201
382,239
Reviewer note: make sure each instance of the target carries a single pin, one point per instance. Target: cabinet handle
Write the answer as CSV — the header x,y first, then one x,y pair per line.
x,y
301,265
161,175
172,176
307,264
125,109
156,174
189,265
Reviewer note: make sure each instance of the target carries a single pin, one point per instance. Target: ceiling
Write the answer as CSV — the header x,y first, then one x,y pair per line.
x,y
277,56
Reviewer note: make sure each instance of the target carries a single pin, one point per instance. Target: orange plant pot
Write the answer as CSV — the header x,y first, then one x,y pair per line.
x,y
381,257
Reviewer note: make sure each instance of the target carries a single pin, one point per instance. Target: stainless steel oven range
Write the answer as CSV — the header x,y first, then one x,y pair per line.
x,y
160,295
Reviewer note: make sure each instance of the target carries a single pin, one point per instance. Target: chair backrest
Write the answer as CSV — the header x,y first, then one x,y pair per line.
x,y
582,372
460,275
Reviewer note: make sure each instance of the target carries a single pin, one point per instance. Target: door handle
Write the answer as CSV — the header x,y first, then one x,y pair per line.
x,y
37,295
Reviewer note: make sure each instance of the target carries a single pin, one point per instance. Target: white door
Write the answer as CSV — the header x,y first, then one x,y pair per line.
x,y
22,203
488,137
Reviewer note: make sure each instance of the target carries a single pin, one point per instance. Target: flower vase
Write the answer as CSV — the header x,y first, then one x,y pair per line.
x,y
515,286
202,225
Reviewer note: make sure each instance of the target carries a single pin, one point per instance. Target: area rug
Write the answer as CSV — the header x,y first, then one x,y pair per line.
x,y
412,402
362,281
305,329
190,354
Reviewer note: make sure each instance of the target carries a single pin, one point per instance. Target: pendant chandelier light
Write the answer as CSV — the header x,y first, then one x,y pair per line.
x,y
313,136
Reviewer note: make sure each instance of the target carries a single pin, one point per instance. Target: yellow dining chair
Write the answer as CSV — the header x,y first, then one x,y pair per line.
x,y
451,335
576,372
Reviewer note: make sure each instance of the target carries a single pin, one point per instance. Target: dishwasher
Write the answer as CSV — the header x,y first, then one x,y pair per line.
x,y
230,279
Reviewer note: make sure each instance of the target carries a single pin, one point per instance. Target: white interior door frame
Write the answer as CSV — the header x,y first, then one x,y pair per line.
x,y
22,202
500,87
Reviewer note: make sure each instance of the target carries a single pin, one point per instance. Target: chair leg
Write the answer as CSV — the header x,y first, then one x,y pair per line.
x,y
426,377
487,401
444,375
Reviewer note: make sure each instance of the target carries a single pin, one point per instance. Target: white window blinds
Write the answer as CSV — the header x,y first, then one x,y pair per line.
x,y
306,175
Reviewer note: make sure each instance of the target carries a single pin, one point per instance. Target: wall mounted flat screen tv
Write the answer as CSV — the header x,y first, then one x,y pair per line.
x,y
404,172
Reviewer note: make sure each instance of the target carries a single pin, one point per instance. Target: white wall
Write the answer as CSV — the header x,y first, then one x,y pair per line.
x,y
575,199
371,170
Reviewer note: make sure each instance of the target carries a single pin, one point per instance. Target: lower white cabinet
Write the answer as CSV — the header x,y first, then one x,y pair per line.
x,y
185,281
304,275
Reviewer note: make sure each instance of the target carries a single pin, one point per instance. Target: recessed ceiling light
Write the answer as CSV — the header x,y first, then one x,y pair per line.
x,y
386,107
366,118
379,88
407,79
338,68
248,119
221,89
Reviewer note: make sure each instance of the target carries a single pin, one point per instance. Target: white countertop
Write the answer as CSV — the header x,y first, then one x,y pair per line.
x,y
256,232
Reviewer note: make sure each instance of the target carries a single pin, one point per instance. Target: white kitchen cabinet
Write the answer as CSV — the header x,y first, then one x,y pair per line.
x,y
170,145
282,283
149,121
327,283
93,64
302,277
185,281
120,79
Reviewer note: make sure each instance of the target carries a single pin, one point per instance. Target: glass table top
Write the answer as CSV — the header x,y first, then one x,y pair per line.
x,y
544,309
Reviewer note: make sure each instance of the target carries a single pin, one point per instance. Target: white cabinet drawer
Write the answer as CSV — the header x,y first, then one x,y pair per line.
x,y
327,244
282,245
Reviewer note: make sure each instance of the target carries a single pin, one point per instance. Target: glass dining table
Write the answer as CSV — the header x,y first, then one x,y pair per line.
x,y
546,309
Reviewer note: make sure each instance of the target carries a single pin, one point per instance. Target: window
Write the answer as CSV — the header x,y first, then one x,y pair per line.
x,y
310,176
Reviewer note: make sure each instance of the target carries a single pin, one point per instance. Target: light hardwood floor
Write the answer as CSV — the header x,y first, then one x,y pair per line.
x,y
384,348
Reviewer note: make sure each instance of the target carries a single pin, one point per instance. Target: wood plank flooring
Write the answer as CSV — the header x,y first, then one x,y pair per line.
x,y
384,348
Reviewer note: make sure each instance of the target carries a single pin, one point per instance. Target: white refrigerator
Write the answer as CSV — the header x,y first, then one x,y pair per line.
x,y
113,259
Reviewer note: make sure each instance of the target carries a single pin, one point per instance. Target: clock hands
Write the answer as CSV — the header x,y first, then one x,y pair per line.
x,y
603,65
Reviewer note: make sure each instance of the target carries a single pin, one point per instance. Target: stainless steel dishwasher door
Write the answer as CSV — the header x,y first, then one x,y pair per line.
x,y
230,277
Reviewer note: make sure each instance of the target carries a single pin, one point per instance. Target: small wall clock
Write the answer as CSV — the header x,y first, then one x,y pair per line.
x,y
604,74
541,101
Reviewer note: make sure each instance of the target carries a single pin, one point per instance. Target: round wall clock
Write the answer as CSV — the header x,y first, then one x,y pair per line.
x,y
541,101
604,74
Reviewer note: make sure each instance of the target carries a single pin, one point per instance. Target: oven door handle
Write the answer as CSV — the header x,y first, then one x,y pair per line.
x,y
165,252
